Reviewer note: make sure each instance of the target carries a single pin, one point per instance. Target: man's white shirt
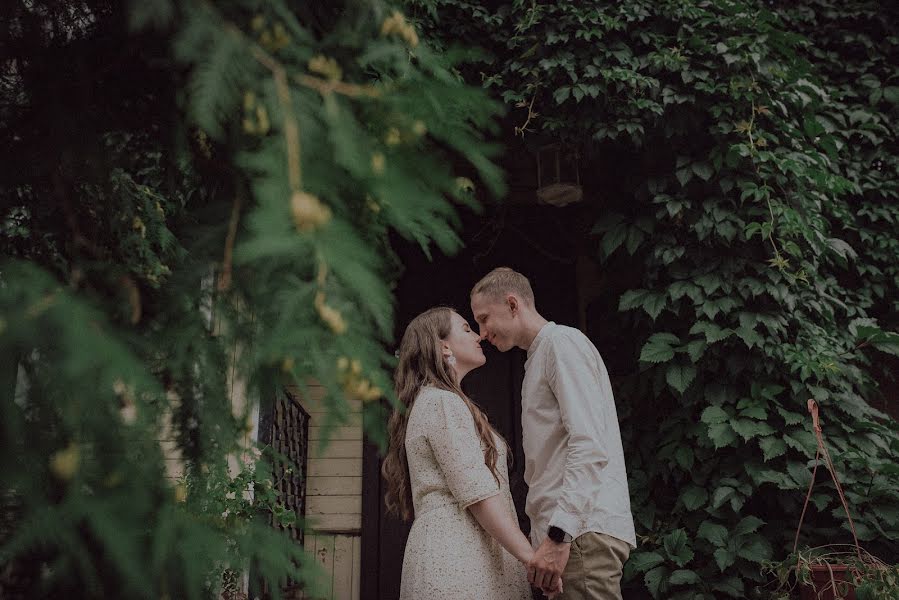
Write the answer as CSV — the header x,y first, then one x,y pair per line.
x,y
574,462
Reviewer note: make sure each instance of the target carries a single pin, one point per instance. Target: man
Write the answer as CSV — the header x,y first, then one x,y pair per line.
x,y
578,500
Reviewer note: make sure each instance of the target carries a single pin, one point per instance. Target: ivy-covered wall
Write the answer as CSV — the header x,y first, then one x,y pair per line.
x,y
749,152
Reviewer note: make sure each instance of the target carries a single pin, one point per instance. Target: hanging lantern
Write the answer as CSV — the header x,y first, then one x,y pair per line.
x,y
563,185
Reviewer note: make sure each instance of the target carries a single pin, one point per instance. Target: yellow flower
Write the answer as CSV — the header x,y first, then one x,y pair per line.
x,y
326,67
64,463
464,184
262,120
378,163
419,128
180,493
396,25
393,137
287,364
329,315
138,225
308,211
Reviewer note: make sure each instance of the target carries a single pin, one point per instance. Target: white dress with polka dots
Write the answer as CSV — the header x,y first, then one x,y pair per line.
x,y
448,554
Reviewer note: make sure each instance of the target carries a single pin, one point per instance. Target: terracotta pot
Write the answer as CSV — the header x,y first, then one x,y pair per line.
x,y
822,587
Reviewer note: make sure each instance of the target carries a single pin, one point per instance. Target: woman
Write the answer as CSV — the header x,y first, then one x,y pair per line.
x,y
448,465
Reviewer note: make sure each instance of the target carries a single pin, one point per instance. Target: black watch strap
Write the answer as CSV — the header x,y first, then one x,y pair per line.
x,y
559,536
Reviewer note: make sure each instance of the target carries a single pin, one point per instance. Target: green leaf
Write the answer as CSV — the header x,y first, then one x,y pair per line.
x,y
612,240
656,352
693,497
677,547
679,377
714,414
749,428
713,333
684,457
724,558
653,303
653,580
644,561
748,524
772,447
755,549
703,170
684,175
722,495
891,94
562,94
695,349
732,586
631,299
683,576
714,533
721,435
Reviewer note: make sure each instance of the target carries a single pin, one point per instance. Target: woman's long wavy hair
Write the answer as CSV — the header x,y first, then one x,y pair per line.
x,y
421,362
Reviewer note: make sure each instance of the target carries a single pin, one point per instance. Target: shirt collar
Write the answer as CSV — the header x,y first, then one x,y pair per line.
x,y
541,335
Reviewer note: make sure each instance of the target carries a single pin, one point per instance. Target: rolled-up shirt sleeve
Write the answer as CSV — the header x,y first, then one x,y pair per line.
x,y
457,448
575,384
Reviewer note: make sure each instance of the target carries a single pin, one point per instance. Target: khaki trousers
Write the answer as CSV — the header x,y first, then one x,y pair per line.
x,y
594,568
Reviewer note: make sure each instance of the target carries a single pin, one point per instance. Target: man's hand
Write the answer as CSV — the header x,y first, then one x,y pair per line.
x,y
545,569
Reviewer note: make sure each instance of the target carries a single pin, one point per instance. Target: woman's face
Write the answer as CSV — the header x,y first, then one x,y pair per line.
x,y
464,344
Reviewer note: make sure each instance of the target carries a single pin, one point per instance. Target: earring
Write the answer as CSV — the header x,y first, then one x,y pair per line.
x,y
451,360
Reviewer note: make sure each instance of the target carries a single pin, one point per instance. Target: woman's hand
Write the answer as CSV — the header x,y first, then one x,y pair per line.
x,y
552,593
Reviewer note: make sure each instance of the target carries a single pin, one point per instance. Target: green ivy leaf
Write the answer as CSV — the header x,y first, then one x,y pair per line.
x,y
631,299
653,580
772,447
714,533
714,414
755,549
676,545
703,170
653,303
656,352
732,586
693,497
713,333
748,428
679,377
721,435
722,495
684,457
644,561
748,524
683,576
724,558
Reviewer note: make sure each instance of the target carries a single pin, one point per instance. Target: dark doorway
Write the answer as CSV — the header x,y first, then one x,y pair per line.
x,y
539,241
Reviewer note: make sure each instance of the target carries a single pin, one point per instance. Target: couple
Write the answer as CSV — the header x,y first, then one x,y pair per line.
x,y
446,465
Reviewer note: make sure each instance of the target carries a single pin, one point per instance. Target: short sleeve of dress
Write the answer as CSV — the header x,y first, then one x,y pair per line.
x,y
457,449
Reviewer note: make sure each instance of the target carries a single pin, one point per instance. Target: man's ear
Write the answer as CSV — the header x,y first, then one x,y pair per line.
x,y
513,303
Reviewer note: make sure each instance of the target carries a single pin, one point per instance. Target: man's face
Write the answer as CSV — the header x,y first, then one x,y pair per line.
x,y
496,322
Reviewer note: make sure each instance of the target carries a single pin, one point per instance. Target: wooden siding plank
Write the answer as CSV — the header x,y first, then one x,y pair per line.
x,y
333,505
335,467
333,486
324,555
351,523
343,566
334,449
336,434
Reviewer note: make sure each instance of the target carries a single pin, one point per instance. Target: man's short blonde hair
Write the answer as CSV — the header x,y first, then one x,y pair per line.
x,y
501,281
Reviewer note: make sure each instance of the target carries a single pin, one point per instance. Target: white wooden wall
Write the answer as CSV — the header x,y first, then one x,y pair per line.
x,y
334,498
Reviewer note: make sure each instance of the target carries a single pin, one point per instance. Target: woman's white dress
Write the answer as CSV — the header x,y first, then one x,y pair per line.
x,y
448,554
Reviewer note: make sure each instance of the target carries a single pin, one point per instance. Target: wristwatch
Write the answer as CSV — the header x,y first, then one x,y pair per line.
x,y
559,536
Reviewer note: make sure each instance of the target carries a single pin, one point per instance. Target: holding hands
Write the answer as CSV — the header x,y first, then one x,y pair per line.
x,y
546,566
